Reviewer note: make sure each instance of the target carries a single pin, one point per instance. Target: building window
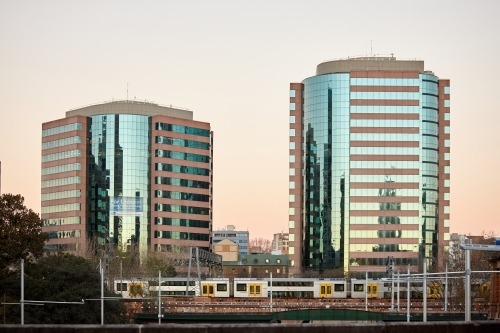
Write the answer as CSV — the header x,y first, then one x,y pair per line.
x,y
292,145
291,237
291,224
447,169
277,270
292,106
447,129
292,198
447,196
292,93
447,143
292,132
447,209
447,103
292,263
244,261
446,156
267,262
292,172
447,90
292,119
278,261
292,185
291,250
291,211
292,158
446,183
447,116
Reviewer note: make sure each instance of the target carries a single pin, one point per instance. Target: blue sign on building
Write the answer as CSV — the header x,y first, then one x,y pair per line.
x,y
122,206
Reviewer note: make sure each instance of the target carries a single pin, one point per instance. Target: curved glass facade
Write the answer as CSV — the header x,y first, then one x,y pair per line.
x,y
326,168
119,179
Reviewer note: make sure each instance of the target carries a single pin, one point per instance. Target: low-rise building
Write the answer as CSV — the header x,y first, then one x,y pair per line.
x,y
257,266
239,237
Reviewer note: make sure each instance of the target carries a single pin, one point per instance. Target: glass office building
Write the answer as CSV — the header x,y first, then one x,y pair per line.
x,y
369,166
127,174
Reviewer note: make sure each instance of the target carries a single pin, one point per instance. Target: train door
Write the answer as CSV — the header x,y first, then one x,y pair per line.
x,y
325,290
254,290
372,290
207,289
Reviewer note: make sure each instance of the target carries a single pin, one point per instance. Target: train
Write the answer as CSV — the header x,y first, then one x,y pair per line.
x,y
285,288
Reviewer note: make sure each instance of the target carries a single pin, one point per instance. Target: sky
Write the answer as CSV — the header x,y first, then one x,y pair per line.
x,y
231,63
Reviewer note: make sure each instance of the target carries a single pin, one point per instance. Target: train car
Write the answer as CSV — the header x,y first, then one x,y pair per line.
x,y
177,287
129,288
215,287
371,288
250,287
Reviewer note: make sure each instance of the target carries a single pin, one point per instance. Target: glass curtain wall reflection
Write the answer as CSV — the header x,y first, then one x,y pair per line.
x,y
119,179
326,160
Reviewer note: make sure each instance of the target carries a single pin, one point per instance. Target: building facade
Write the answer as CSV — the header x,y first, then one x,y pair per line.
x,y
280,243
369,166
257,266
241,238
126,174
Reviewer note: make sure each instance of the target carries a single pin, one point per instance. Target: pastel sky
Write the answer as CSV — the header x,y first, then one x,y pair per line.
x,y
231,63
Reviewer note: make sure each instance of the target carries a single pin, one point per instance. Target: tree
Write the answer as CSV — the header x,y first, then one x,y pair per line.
x,y
21,234
61,278
260,244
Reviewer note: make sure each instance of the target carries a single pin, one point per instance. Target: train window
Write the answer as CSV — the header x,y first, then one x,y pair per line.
x,y
358,287
339,287
241,287
221,287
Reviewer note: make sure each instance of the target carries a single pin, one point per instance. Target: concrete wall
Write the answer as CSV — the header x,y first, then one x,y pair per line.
x,y
441,327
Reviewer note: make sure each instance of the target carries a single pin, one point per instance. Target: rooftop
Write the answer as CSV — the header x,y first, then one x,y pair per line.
x,y
136,107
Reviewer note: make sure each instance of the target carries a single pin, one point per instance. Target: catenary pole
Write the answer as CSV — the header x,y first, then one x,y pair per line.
x,y
408,297
425,291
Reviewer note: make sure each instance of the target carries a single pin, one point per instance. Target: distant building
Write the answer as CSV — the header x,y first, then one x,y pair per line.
x,y
241,238
227,249
257,266
280,243
369,171
131,174
494,309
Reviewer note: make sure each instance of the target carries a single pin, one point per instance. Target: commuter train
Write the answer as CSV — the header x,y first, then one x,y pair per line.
x,y
292,288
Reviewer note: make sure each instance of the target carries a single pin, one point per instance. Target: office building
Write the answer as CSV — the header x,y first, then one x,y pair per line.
x,y
236,236
127,174
279,244
369,166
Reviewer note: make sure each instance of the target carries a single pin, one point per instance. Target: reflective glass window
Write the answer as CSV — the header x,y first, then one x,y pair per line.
x,y
292,106
291,198
447,116
182,196
61,182
447,142
446,236
291,211
385,95
182,143
61,142
182,156
447,196
292,119
446,222
291,224
62,155
292,93
446,183
62,129
182,169
61,221
181,209
61,195
182,222
292,132
447,90
182,182
183,129
181,235
63,234
61,168
447,169
291,237
292,158
447,156
292,172
292,185
383,82
292,145
61,208
447,103
384,123
446,209
384,109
